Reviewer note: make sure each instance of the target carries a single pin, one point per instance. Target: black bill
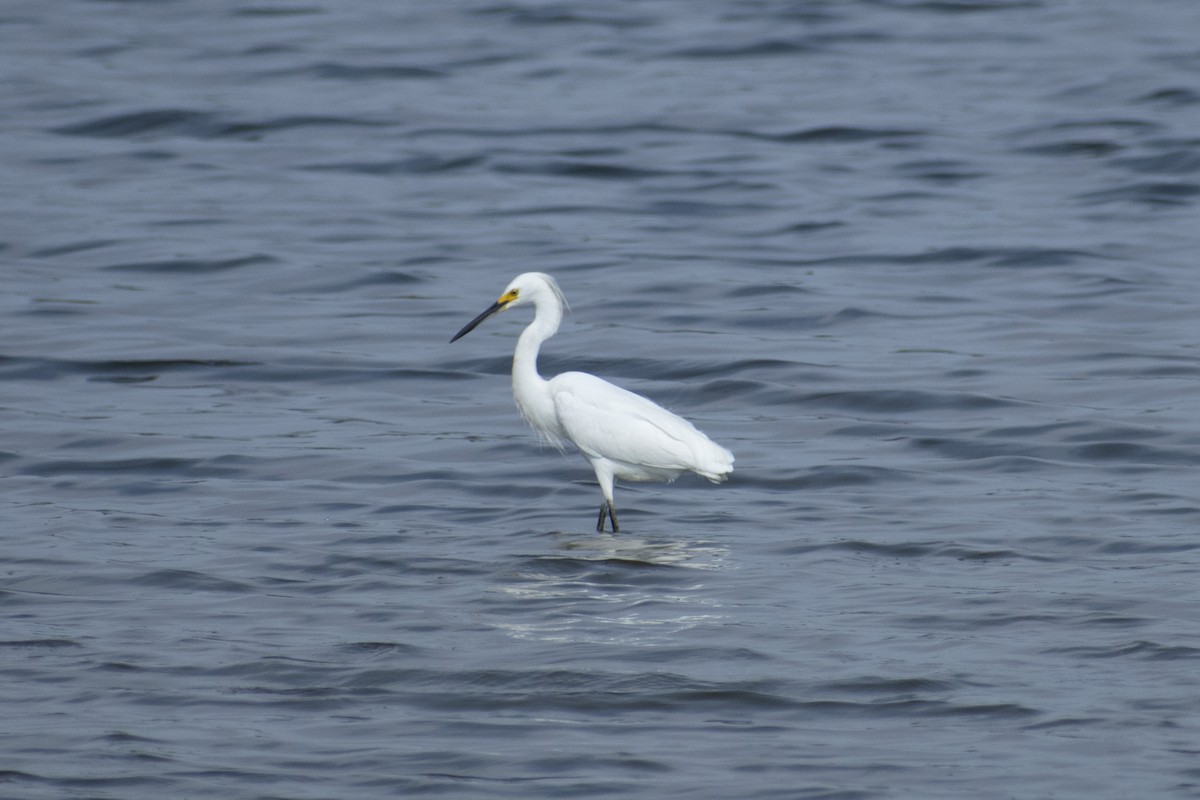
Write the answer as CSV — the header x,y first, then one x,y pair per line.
x,y
473,324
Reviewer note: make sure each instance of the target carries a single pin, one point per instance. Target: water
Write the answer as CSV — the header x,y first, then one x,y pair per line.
x,y
928,269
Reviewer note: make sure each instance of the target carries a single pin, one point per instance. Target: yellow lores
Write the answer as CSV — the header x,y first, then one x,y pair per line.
x,y
621,434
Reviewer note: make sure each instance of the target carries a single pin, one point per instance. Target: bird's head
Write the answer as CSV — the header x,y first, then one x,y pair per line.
x,y
528,287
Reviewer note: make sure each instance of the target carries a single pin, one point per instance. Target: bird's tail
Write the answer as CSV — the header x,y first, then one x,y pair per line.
x,y
715,463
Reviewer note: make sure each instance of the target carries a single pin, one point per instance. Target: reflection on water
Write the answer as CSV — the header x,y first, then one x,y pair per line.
x,y
616,588
651,552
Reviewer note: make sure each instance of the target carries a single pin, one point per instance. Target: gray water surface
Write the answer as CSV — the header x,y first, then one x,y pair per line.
x,y
929,269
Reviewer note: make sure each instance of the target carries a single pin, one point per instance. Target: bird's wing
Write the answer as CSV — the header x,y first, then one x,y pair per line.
x,y
608,421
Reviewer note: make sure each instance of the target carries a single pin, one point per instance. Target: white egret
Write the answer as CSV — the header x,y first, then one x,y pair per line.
x,y
621,434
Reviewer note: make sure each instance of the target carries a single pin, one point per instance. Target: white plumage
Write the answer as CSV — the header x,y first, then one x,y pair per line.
x,y
621,434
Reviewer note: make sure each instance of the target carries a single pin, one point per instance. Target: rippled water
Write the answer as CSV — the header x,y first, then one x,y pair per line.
x,y
927,268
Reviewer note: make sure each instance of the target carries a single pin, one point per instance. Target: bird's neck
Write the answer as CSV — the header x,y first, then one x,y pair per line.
x,y
545,324
525,370
529,389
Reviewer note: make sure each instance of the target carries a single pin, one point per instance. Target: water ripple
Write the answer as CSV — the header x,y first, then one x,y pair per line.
x,y
198,124
927,268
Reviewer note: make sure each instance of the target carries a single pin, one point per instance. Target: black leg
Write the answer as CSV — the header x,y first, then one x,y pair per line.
x,y
606,508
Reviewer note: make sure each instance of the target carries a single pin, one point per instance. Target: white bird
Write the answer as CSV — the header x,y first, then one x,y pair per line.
x,y
621,434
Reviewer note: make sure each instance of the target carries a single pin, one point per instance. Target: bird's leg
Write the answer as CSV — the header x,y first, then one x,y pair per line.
x,y
604,477
607,508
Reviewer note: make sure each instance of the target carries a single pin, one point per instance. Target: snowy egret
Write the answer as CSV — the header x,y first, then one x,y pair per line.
x,y
621,434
